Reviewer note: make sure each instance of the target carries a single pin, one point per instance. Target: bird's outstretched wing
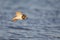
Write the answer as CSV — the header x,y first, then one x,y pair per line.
x,y
18,13
17,16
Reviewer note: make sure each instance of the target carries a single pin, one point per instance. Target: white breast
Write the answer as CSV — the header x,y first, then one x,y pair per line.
x,y
19,17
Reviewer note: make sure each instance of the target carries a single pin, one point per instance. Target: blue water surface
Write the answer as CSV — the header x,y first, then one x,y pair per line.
x,y
43,21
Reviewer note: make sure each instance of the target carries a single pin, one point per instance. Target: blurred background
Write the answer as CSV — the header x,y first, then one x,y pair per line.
x,y
43,21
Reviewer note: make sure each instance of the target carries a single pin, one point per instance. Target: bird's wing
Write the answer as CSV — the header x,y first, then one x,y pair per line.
x,y
14,19
18,13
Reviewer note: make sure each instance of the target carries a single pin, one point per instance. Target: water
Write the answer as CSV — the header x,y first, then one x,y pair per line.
x,y
43,21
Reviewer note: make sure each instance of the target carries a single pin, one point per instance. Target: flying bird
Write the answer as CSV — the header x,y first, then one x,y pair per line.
x,y
19,16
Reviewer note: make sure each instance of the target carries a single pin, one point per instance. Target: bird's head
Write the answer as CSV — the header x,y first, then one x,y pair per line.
x,y
24,16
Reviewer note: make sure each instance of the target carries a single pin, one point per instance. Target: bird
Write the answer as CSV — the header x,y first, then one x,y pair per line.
x,y
19,16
